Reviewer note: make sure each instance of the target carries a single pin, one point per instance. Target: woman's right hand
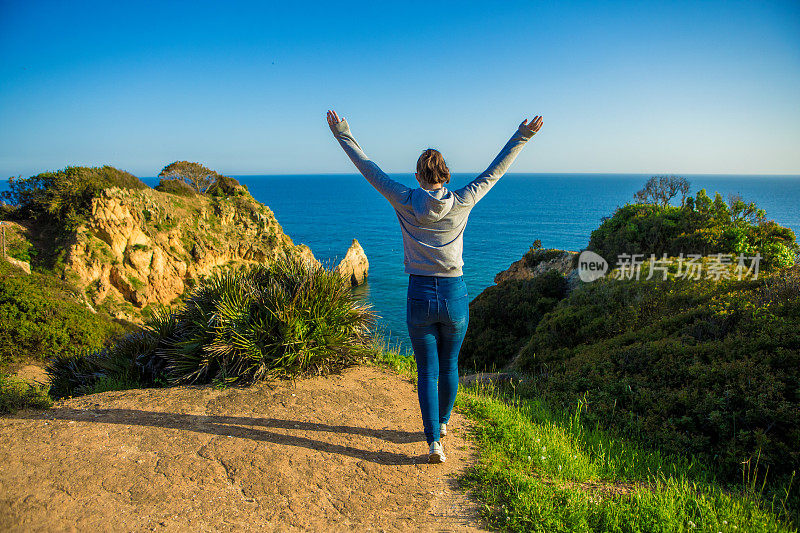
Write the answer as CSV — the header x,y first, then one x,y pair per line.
x,y
333,118
535,124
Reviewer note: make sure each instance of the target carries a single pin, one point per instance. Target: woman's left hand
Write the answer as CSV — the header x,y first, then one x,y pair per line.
x,y
333,118
535,124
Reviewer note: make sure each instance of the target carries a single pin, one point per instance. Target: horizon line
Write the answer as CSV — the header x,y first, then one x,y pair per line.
x,y
574,173
544,172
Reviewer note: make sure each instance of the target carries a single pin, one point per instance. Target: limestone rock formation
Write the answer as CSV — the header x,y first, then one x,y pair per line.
x,y
560,260
143,247
355,266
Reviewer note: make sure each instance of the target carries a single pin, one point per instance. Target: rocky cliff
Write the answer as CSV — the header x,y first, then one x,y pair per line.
x,y
354,268
539,261
141,247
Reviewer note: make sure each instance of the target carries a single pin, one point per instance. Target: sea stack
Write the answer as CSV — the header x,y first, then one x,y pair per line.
x,y
354,267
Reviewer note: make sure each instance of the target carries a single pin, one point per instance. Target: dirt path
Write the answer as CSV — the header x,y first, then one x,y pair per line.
x,y
341,452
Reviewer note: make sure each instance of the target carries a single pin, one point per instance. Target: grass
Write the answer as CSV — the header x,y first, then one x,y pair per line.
x,y
543,470
40,315
16,394
394,356
540,469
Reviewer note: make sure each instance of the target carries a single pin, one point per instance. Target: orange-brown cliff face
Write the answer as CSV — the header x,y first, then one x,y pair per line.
x,y
538,262
141,247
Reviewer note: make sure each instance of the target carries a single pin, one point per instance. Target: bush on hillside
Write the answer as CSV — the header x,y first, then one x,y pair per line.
x,y
702,226
285,319
176,186
40,317
63,198
689,366
536,254
7,211
17,394
503,317
225,186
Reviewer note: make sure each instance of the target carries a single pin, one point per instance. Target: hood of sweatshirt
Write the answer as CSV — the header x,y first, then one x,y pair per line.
x,y
431,206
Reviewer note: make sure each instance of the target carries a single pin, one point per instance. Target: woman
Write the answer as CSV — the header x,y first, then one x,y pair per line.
x,y
432,221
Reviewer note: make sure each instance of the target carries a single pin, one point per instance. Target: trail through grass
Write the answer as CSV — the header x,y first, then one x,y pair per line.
x,y
542,470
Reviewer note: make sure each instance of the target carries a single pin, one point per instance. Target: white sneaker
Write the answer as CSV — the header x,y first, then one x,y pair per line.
x,y
443,429
437,453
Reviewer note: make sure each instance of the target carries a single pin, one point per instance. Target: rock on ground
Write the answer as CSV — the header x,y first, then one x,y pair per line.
x,y
336,453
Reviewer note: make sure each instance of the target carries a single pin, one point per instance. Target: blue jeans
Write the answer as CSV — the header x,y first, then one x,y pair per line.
x,y
437,315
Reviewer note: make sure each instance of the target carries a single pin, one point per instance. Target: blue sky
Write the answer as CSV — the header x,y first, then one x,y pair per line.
x,y
641,87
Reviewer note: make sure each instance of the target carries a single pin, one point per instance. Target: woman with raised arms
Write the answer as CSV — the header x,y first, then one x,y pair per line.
x,y
432,222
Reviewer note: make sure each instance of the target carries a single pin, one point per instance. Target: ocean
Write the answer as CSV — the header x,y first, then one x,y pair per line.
x,y
327,212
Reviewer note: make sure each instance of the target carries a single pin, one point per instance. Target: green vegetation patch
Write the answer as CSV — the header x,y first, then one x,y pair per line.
x,y
503,318
40,317
136,283
394,356
58,203
64,197
239,326
710,369
547,470
701,226
16,394
17,244
536,254
225,186
176,186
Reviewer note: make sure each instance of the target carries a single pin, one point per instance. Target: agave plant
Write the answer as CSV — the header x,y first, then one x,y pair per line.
x,y
286,318
131,359
72,374
282,319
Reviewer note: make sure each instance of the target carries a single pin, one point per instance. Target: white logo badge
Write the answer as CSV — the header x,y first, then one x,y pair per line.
x,y
591,266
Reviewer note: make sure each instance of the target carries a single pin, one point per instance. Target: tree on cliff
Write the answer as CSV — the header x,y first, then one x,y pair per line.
x,y
195,174
660,190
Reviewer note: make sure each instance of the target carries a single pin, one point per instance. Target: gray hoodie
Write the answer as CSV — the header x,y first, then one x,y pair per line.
x,y
432,222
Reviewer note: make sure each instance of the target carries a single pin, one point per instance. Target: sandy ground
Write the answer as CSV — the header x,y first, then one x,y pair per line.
x,y
336,453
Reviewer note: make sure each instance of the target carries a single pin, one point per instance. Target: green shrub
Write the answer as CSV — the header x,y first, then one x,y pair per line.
x,y
176,186
131,361
7,211
40,317
63,198
17,394
22,251
17,242
285,319
225,186
536,254
701,226
689,366
503,317
59,202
